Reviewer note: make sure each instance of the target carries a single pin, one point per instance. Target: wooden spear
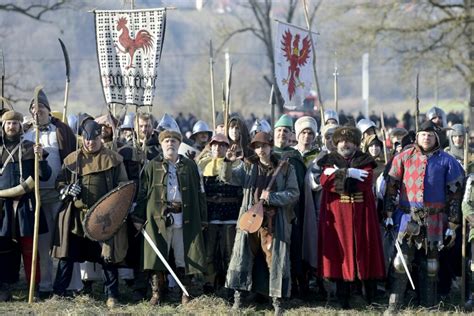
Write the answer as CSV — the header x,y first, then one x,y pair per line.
x,y
321,106
211,72
34,258
464,226
384,137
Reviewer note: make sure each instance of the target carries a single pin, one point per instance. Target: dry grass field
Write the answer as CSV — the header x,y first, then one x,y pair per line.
x,y
200,305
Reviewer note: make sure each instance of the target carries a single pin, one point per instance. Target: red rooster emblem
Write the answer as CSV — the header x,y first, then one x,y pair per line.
x,y
295,58
143,40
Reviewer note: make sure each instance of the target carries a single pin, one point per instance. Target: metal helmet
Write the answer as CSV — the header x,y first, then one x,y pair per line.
x,y
364,124
331,114
128,121
436,111
72,122
260,126
167,122
457,130
201,126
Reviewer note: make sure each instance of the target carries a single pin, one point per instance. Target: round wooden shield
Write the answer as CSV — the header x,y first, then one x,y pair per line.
x,y
107,215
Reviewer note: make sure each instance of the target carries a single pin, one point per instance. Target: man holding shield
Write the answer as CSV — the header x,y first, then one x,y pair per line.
x,y
88,174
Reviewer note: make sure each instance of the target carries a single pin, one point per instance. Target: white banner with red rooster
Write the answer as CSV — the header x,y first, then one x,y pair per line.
x,y
293,64
129,45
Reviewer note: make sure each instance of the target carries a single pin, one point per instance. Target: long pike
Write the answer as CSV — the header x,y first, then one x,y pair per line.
x,y
2,72
417,102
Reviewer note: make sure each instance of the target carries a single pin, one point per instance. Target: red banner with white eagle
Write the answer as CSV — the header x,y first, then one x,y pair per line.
x,y
129,44
293,64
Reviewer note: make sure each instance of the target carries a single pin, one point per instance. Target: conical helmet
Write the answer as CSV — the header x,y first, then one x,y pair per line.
x,y
260,126
128,121
167,122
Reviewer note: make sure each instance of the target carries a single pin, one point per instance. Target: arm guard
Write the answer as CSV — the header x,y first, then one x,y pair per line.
x,y
391,195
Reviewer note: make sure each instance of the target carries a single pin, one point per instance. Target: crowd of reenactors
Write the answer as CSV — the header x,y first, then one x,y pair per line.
x,y
260,211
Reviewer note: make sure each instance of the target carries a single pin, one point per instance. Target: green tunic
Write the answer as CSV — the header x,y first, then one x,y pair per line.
x,y
151,204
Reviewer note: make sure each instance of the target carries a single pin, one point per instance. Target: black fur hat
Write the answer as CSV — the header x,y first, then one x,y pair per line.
x,y
347,133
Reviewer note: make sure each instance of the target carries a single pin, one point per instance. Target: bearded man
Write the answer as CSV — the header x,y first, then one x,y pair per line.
x,y
17,214
349,243
172,203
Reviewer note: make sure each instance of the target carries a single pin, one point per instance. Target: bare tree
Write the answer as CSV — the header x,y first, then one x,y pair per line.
x,y
435,34
260,25
34,11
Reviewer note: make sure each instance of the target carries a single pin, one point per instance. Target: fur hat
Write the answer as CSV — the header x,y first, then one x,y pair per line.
x,y
167,133
305,122
328,128
12,116
369,141
261,137
42,99
347,133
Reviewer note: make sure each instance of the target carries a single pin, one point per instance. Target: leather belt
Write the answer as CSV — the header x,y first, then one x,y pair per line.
x,y
357,197
174,207
223,200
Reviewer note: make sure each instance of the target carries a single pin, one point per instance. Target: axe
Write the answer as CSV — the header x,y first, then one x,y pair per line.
x,y
66,92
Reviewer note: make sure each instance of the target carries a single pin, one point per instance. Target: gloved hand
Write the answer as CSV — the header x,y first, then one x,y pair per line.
x,y
450,237
357,174
330,171
388,223
73,189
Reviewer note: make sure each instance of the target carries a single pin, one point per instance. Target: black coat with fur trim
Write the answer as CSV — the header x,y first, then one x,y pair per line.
x,y
344,184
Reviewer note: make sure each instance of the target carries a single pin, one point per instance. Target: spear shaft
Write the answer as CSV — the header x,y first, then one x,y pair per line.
x,y
211,73
34,256
417,101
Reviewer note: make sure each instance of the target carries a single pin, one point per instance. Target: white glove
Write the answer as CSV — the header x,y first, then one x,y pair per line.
x,y
330,171
380,187
388,222
450,237
357,174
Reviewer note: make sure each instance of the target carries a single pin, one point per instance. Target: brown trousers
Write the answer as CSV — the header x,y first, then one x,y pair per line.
x,y
262,239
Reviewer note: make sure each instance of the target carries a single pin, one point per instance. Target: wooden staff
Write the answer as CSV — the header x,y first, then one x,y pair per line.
x,y
321,106
384,136
211,73
464,227
224,110
37,204
417,102
336,92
